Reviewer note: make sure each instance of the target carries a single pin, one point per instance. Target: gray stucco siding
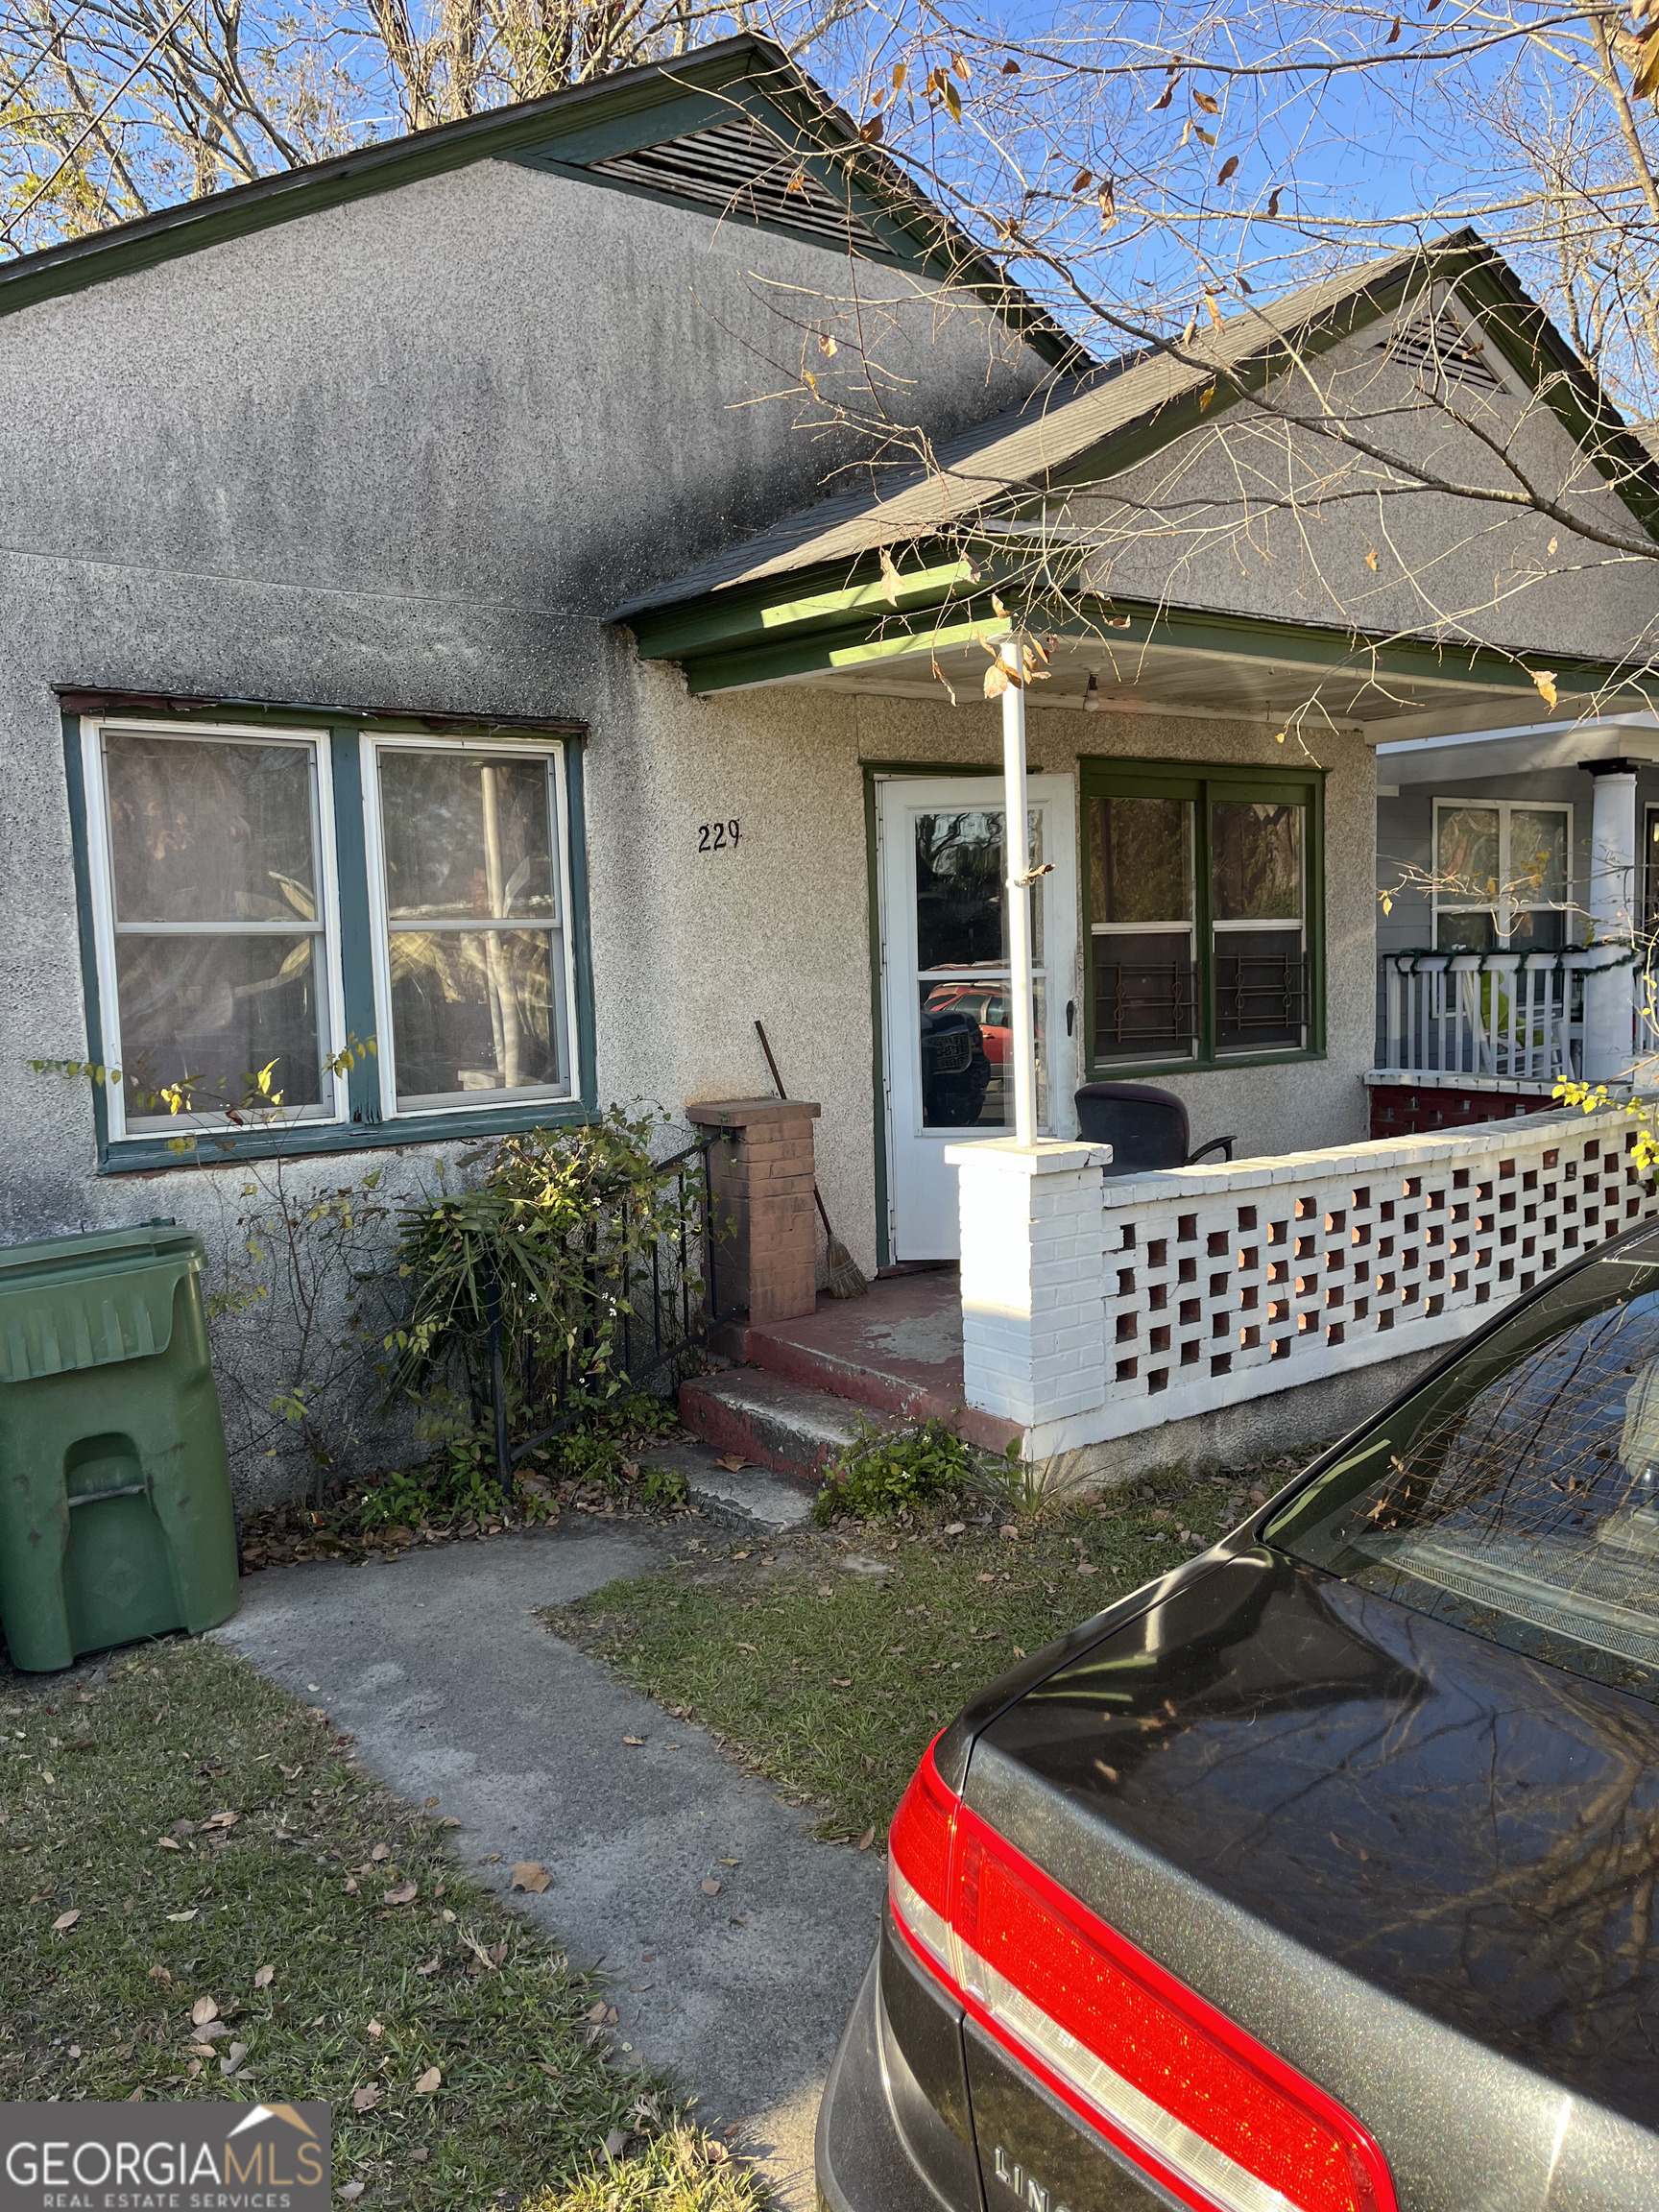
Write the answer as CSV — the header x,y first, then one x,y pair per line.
x,y
401,455
1273,519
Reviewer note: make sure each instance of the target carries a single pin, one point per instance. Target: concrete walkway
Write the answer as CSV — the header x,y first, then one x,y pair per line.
x,y
453,1689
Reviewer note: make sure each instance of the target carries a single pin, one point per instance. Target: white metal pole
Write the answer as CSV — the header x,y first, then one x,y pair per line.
x,y
1610,997
1024,1070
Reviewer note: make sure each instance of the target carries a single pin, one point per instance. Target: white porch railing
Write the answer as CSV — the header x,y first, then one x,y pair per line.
x,y
1494,1014
1094,1306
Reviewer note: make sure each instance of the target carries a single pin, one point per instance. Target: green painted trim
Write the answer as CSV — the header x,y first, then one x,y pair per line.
x,y
757,610
1202,784
356,933
581,928
878,1026
366,1130
301,1139
125,706
854,644
75,788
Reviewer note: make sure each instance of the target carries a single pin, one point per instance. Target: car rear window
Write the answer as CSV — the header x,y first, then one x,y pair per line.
x,y
1518,1494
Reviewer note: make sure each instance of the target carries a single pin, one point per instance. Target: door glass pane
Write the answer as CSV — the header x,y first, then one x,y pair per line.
x,y
1140,860
1260,990
467,838
959,894
211,1012
472,1010
204,830
1256,862
1466,860
967,1043
961,919
1146,995
1537,856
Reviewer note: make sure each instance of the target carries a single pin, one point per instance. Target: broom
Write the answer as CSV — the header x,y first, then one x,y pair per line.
x,y
846,1277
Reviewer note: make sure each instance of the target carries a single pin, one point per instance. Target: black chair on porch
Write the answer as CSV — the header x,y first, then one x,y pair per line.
x,y
1146,1128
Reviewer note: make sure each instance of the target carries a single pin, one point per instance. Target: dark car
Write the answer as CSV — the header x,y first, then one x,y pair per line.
x,y
1320,1874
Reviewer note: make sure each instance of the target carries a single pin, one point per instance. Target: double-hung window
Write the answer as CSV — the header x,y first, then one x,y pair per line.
x,y
1503,876
1203,915
316,936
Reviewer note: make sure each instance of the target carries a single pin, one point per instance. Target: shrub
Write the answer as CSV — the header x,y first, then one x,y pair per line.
x,y
886,1472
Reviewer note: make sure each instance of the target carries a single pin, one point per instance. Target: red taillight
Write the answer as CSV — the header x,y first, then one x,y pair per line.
x,y
1195,2102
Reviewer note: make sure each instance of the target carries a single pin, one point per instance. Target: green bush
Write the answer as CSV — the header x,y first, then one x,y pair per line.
x,y
886,1472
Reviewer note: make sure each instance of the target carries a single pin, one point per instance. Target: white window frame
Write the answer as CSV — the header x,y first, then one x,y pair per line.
x,y
332,1108
480,1102
1501,908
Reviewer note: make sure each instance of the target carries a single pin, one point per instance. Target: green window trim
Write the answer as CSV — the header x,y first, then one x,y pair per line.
x,y
1204,784
364,1128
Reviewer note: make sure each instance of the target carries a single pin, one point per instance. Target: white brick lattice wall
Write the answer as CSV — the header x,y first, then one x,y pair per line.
x,y
1220,1284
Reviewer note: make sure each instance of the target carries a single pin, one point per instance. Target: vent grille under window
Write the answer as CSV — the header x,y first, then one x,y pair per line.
x,y
1442,348
745,172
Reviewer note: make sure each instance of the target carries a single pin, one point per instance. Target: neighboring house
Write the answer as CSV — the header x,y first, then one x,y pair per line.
x,y
423,627
1502,855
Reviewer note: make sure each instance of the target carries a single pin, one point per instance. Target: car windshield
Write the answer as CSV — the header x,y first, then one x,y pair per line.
x,y
1518,1494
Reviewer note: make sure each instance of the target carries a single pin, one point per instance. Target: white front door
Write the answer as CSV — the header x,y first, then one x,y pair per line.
x,y
945,983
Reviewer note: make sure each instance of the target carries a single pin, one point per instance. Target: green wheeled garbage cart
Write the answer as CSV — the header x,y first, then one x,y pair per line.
x,y
115,1513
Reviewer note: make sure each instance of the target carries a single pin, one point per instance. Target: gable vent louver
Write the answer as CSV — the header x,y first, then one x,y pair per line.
x,y
744,172
1442,347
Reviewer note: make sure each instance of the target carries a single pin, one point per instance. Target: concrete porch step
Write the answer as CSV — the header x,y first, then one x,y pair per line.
x,y
896,1352
774,1422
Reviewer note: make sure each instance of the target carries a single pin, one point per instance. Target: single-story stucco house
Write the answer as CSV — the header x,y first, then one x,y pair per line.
x,y
427,625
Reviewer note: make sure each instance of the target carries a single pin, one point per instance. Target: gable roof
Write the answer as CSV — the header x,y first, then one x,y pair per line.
x,y
1080,429
734,128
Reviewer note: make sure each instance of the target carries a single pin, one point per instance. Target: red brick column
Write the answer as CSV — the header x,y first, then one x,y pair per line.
x,y
766,1252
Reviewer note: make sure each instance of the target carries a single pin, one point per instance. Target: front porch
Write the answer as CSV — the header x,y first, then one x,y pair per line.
x,y
1112,1324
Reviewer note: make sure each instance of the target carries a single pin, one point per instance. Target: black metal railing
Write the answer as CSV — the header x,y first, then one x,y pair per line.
x,y
649,1298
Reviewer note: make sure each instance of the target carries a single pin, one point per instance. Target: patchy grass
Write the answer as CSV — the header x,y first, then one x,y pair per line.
x,y
174,1826
826,1660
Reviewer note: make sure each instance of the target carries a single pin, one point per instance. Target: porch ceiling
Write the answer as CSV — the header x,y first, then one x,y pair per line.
x,y
1150,677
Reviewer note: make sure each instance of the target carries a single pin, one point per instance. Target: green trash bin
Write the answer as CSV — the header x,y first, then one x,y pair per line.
x,y
115,1513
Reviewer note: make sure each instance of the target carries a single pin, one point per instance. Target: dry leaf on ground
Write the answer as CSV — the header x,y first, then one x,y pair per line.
x,y
867,1839
379,1852
635,1740
405,1893
432,2080
364,2099
616,2142
711,1887
203,2010
190,1915
427,1966
169,1844
263,1977
66,1920
530,1874
374,2031
596,2012
225,1820
351,2190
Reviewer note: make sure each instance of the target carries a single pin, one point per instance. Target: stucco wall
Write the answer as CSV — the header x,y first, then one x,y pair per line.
x,y
402,454
780,928
1259,516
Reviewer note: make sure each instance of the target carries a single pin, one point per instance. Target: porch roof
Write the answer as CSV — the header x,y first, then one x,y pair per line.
x,y
896,585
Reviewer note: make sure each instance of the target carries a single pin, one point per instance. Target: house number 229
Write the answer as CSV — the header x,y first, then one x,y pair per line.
x,y
717,836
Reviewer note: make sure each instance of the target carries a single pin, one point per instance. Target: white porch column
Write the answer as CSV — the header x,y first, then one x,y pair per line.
x,y
1609,998
1016,852
1033,1277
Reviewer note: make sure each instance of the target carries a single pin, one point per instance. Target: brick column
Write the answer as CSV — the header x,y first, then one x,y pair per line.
x,y
1033,1278
766,1254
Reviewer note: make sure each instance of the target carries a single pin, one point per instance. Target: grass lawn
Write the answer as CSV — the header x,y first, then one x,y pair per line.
x,y
203,1896
826,1660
